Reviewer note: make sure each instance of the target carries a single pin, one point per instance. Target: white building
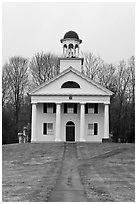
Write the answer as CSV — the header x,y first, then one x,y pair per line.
x,y
70,106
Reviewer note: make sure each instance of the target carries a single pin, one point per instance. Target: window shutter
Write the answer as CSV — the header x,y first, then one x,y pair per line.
x,y
96,108
54,108
75,108
65,107
95,129
45,108
44,128
86,108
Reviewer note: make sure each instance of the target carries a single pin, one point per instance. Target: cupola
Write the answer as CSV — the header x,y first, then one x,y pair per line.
x,y
71,43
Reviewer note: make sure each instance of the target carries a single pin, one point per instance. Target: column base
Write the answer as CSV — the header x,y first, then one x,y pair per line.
x,y
82,140
33,141
58,140
105,140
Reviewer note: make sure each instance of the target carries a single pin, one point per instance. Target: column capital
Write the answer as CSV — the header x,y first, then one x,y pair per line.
x,y
82,103
34,103
106,103
58,103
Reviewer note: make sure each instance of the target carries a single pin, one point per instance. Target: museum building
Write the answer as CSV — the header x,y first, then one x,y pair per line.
x,y
70,107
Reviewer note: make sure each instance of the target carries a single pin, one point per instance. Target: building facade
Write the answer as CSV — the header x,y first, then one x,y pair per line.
x,y
70,107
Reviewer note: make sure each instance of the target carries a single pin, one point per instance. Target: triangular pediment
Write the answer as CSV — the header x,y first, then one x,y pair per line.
x,y
87,86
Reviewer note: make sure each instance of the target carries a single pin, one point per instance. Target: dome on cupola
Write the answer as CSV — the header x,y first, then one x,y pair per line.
x,y
71,34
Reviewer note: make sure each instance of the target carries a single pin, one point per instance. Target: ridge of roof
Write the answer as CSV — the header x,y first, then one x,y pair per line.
x,y
76,72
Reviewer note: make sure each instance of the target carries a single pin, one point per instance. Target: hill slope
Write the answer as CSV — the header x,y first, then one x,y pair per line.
x,y
30,171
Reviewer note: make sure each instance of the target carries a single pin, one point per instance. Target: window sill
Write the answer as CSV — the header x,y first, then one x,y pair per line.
x,y
49,113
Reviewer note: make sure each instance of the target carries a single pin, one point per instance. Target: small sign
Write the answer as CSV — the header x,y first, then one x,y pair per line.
x,y
70,97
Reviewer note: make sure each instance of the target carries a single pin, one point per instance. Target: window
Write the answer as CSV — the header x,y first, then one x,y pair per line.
x,y
49,108
47,128
70,108
70,46
91,108
93,129
50,128
65,46
70,84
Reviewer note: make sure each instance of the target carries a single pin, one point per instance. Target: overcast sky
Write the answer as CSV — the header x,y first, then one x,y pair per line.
x,y
106,29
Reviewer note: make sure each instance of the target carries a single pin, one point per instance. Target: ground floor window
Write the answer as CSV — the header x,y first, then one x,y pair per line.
x,y
47,128
93,129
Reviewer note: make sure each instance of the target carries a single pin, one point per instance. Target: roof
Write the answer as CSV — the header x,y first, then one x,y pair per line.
x,y
71,35
71,69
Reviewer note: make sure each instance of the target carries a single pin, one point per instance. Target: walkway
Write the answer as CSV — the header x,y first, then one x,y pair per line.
x,y
68,187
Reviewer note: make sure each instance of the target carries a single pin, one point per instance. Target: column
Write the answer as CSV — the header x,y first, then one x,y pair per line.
x,y
33,125
78,52
82,122
63,51
58,122
106,121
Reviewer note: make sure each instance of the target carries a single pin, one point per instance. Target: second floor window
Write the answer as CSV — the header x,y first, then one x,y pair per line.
x,y
91,108
70,108
49,108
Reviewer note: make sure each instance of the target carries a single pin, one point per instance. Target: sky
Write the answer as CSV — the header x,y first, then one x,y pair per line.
x,y
106,29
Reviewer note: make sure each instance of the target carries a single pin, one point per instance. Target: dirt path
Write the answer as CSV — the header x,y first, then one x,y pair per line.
x,y
68,187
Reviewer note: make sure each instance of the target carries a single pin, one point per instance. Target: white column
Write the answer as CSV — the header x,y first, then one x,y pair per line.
x,y
82,122
58,122
63,51
106,121
33,125
78,52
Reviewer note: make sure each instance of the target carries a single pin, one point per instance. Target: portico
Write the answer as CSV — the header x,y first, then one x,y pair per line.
x,y
60,119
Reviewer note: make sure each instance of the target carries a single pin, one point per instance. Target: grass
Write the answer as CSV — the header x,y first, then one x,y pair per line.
x,y
107,171
30,171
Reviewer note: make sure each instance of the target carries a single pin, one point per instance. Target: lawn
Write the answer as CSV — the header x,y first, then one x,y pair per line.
x,y
30,171
106,170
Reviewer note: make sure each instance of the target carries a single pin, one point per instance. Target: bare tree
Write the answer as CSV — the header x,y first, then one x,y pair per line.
x,y
15,81
106,76
131,85
121,101
97,70
92,65
43,67
5,87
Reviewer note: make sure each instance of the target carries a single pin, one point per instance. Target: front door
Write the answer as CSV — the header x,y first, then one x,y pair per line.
x,y
70,131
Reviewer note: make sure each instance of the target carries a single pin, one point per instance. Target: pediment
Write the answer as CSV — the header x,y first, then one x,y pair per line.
x,y
87,86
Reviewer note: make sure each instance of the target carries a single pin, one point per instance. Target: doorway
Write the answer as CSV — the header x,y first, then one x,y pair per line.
x,y
70,131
